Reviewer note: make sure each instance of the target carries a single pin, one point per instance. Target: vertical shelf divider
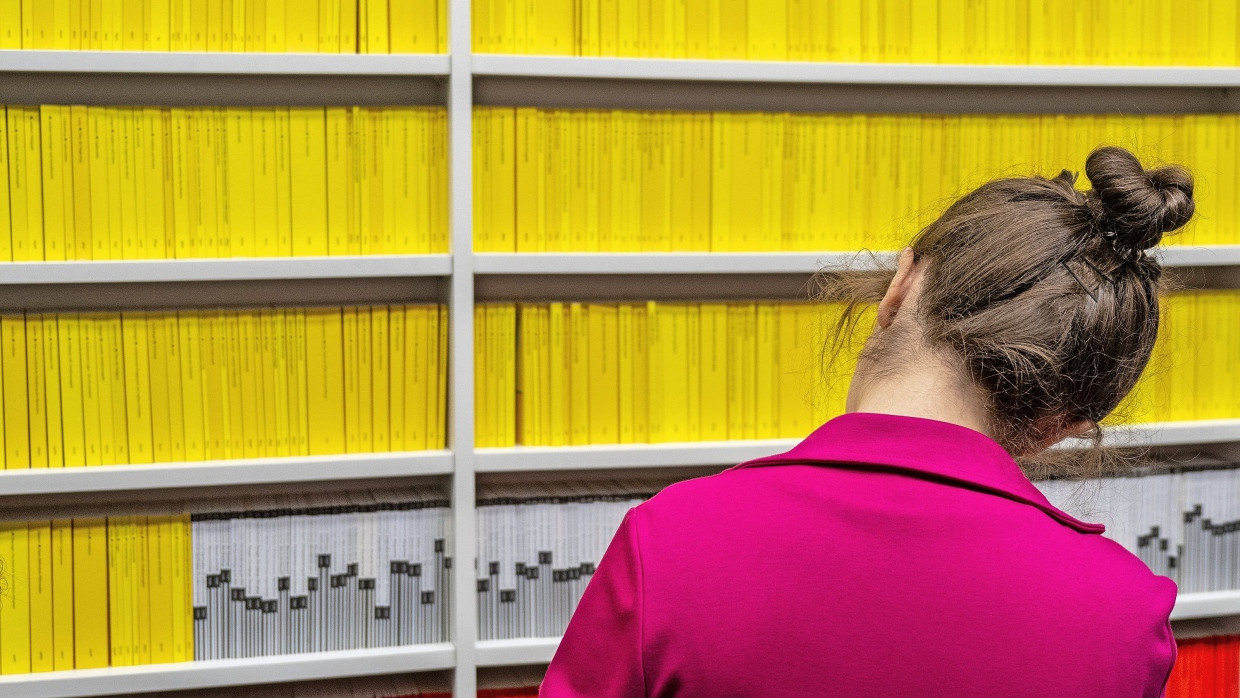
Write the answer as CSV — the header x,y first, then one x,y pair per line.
x,y
461,383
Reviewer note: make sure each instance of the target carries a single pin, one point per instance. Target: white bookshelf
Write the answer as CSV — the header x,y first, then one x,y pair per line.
x,y
699,70
454,77
239,269
221,473
222,673
650,263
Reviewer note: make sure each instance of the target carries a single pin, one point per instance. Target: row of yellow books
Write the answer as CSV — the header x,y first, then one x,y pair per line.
x,y
1013,32
90,593
271,26
556,374
139,387
160,183
549,180
1193,373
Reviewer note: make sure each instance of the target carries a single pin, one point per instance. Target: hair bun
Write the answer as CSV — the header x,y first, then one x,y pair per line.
x,y
1138,205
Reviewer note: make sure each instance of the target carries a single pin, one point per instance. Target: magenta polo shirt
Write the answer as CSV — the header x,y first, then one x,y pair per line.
x,y
882,556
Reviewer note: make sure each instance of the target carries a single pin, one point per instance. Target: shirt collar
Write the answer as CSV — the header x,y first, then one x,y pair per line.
x,y
936,450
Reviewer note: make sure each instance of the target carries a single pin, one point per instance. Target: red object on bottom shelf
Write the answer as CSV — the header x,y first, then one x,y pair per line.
x,y
1206,668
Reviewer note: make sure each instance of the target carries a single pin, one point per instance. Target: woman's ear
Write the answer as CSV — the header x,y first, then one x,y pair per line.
x,y
898,290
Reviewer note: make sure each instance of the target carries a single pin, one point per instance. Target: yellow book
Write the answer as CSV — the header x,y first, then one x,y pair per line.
x,y
53,401
36,392
308,165
579,375
542,339
713,364
482,387
508,344
736,353
159,589
352,391
16,412
328,34
275,426
503,209
670,352
241,199
641,373
439,376
120,580
339,185
365,379
37,30
160,404
155,202
391,358
138,387
234,398
121,450
131,183
10,24
181,155
6,236
604,373
528,173
99,175
767,372
624,348
284,182
176,406
215,26
249,370
276,23
214,384
693,375
90,593
180,566
72,359
375,38
266,183
25,183
101,356
204,180
299,366
53,156
190,346
526,391
558,375
140,593
62,594
325,343
130,25
42,627
91,384
15,604
405,18
348,27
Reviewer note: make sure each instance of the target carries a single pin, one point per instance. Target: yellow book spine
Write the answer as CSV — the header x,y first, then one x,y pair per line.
x,y
483,397
140,592
276,22
122,616
352,409
348,26
397,354
155,202
90,593
121,451
767,368
526,390
189,345
325,380
438,400
579,375
15,604
713,363
328,35
284,182
559,374
240,172
97,173
138,387
159,589
214,385
133,185
266,183
625,372
36,392
180,571
308,164
250,370
508,372
160,403
25,183
604,371
338,184
10,24
64,410
542,362
53,156
275,426
91,384
6,234
365,380
375,38
42,626
72,361
234,397
16,412
62,595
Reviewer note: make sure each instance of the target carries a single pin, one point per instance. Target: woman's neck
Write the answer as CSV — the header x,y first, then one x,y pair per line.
x,y
929,390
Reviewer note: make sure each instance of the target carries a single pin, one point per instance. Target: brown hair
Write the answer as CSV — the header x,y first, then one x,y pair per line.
x,y
1043,292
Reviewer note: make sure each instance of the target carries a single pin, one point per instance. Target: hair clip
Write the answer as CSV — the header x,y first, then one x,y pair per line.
x,y
1086,289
